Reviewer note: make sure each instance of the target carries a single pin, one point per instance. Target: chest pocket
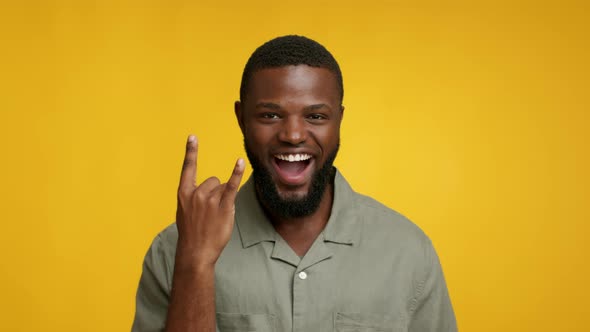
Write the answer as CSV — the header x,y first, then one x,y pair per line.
x,y
228,322
364,322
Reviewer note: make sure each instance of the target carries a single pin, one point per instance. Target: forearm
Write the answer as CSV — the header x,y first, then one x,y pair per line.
x,y
192,303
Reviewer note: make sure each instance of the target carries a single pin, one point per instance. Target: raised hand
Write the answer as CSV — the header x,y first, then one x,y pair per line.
x,y
205,213
205,219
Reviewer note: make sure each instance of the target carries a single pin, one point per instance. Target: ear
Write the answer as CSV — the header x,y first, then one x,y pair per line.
x,y
239,114
341,113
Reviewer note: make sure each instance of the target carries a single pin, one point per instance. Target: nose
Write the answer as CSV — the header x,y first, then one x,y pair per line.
x,y
293,131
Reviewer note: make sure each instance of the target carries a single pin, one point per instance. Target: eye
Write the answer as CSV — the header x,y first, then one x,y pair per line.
x,y
316,117
270,116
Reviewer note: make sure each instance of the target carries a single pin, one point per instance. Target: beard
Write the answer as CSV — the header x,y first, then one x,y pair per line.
x,y
291,206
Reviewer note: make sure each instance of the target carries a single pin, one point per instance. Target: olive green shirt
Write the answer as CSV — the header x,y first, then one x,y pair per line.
x,y
371,269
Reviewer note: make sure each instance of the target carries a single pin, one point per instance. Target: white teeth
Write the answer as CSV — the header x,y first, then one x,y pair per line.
x,y
293,157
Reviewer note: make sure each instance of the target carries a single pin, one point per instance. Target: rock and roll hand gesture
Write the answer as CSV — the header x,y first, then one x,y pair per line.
x,y
205,213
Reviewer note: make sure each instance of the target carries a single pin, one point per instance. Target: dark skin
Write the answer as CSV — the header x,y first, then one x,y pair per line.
x,y
293,109
204,218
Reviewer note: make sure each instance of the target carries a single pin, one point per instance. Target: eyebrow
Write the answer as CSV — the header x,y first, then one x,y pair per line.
x,y
271,106
277,107
317,107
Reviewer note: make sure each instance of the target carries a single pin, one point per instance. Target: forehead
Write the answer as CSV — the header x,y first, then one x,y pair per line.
x,y
293,82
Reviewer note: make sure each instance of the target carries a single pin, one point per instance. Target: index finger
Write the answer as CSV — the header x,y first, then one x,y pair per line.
x,y
231,188
188,175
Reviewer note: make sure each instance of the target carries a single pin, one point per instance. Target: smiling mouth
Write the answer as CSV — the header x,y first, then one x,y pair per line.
x,y
292,168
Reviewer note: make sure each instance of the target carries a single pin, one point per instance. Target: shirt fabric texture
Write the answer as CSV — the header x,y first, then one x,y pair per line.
x,y
370,269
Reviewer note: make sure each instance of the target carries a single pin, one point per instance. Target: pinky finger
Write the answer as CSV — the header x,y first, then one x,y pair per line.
x,y
231,187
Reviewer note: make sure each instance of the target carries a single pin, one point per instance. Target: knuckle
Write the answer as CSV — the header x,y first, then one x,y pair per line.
x,y
190,147
212,200
231,186
215,180
186,163
183,194
209,182
201,195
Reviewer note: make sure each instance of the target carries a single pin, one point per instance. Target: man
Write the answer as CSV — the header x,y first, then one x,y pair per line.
x,y
307,253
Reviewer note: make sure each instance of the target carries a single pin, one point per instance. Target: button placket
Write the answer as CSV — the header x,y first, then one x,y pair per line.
x,y
302,284
299,303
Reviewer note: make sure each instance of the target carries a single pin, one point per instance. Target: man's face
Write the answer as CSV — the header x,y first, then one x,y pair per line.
x,y
291,119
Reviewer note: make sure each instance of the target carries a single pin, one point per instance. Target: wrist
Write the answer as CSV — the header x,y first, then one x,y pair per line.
x,y
192,260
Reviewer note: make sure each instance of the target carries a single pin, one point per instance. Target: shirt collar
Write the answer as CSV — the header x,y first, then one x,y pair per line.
x,y
252,223
343,226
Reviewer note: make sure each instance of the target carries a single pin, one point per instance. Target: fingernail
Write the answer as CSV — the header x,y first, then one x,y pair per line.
x,y
240,162
192,138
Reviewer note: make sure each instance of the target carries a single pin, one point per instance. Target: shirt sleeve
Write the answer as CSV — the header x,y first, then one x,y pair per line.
x,y
153,292
431,309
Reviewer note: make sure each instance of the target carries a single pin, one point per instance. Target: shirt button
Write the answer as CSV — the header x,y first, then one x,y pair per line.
x,y
302,275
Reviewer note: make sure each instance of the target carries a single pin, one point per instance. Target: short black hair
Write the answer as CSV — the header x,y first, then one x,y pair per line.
x,y
290,50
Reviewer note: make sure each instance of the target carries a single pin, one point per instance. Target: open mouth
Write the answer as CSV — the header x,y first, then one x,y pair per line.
x,y
292,168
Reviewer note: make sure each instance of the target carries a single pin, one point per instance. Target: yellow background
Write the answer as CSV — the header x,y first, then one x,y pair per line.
x,y
470,118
